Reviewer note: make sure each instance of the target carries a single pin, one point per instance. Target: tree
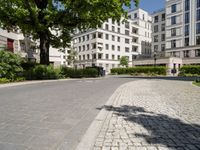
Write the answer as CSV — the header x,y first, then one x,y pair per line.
x,y
71,58
124,61
54,21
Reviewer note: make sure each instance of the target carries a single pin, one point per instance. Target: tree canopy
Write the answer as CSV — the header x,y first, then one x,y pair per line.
x,y
124,61
54,21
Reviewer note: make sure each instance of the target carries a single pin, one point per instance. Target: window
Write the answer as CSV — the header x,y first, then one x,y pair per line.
x,y
107,37
156,38
94,35
186,53
155,48
113,28
118,57
127,41
127,25
83,47
163,17
197,53
134,49
198,40
187,41
118,48
163,37
83,57
118,30
162,47
126,32
186,30
79,57
155,19
187,5
99,56
127,49
198,3
118,39
163,27
10,45
113,38
143,17
79,39
107,27
173,44
173,20
100,35
187,17
83,38
107,47
198,14
93,45
113,47
173,32
107,56
156,28
198,28
135,15
113,57
88,57
134,30
88,37
79,48
173,8
88,46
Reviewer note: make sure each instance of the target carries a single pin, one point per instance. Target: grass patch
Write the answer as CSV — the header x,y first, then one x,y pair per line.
x,y
196,83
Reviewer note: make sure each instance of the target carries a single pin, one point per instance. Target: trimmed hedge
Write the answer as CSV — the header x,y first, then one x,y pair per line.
x,y
78,73
189,70
42,72
140,70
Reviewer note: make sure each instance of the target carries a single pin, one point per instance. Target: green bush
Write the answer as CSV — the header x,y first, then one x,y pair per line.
x,y
190,71
4,80
78,73
42,72
10,65
146,70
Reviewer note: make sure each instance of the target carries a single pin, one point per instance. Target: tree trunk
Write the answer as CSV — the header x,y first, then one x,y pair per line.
x,y
44,48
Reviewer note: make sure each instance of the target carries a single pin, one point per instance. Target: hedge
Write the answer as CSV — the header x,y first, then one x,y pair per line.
x,y
78,73
140,70
189,70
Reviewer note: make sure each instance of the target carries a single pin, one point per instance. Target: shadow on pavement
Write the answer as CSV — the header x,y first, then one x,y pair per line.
x,y
163,130
162,78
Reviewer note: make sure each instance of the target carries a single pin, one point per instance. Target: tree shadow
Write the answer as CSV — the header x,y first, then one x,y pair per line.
x,y
163,130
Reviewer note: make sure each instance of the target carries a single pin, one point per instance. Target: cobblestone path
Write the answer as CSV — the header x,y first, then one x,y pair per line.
x,y
152,115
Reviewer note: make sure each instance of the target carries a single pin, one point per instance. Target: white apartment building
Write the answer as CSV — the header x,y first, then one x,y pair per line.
x,y
144,21
106,45
158,33
17,43
183,30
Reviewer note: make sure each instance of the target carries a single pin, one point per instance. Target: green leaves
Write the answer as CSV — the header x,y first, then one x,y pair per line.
x,y
124,61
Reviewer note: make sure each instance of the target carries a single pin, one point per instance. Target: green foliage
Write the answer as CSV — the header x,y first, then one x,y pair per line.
x,y
39,17
71,58
140,70
190,70
78,73
10,65
42,72
124,61
4,80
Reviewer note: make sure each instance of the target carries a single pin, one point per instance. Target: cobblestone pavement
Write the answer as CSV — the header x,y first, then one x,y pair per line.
x,y
152,115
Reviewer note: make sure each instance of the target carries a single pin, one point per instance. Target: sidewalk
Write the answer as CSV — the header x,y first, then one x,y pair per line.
x,y
147,115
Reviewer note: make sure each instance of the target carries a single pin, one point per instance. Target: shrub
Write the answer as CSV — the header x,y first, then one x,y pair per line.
x,y
146,70
189,71
42,72
4,80
10,65
78,73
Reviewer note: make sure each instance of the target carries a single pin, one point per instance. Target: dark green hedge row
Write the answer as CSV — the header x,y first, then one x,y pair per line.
x,y
140,70
188,69
78,73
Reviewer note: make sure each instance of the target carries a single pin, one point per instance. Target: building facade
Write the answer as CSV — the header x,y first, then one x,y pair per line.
x,y
158,33
183,30
106,45
144,21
